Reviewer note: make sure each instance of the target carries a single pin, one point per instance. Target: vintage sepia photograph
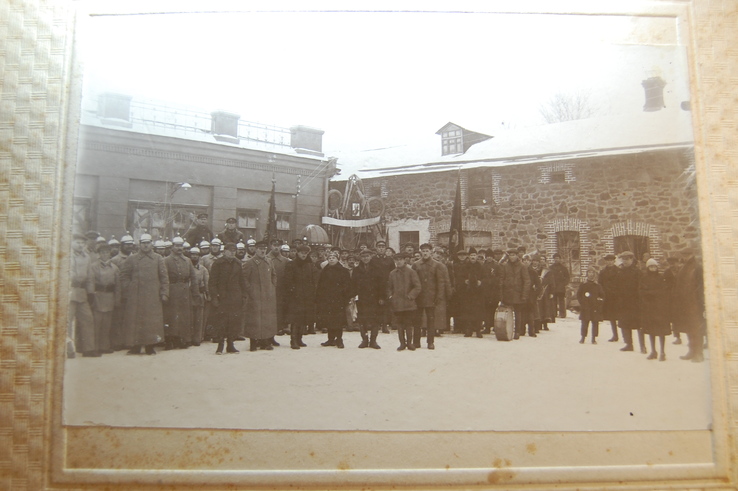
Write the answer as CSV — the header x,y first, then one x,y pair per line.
x,y
517,208
388,222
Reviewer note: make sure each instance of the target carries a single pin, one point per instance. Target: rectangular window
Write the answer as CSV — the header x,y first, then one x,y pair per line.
x,y
283,221
479,186
558,177
409,237
246,221
283,226
161,221
451,142
568,246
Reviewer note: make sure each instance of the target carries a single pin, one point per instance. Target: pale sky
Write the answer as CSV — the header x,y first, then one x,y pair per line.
x,y
376,79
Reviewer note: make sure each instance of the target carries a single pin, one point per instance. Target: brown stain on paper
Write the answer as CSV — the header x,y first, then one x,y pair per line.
x,y
500,474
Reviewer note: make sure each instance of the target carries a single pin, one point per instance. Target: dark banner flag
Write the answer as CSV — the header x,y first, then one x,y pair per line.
x,y
456,234
271,230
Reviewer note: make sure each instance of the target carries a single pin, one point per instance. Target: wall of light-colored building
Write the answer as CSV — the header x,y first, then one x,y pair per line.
x,y
117,167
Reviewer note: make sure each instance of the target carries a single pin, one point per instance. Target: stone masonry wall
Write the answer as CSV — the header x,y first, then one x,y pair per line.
x,y
651,194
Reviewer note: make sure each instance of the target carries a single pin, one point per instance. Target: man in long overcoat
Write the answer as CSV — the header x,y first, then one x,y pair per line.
x,y
300,281
367,283
561,279
279,261
260,286
202,278
385,265
106,280
629,303
689,314
403,288
182,288
331,298
608,279
515,288
116,328
145,284
444,295
227,289
432,291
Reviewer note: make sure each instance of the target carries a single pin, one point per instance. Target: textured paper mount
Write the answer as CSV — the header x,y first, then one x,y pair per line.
x,y
100,456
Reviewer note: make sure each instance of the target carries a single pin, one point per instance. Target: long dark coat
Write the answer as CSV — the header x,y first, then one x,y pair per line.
x,y
334,289
608,278
591,297
491,284
444,297
670,275
367,282
689,299
279,262
535,291
514,283
654,296
562,276
182,289
546,303
226,284
628,281
469,294
385,265
144,279
300,282
260,285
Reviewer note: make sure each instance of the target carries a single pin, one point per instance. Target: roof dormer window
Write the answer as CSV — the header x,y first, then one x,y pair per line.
x,y
456,140
452,142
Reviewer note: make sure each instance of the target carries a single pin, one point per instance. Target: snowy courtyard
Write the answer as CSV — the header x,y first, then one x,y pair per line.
x,y
551,383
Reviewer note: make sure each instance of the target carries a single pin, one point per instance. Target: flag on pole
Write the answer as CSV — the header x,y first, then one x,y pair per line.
x,y
271,229
456,234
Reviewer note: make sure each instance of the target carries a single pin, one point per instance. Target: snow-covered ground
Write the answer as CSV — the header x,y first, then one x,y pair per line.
x,y
551,383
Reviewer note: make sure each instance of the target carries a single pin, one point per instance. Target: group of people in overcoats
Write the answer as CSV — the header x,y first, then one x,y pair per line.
x,y
652,303
175,295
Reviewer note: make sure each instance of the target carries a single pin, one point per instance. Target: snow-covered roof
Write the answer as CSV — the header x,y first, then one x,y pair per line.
x,y
189,124
633,133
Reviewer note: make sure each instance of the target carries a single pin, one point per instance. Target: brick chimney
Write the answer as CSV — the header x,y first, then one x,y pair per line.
x,y
224,126
307,140
114,109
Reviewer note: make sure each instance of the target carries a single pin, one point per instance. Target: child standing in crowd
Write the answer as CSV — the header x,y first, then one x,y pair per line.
x,y
591,297
403,288
654,296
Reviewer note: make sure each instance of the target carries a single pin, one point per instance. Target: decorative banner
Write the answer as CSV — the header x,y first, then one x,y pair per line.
x,y
366,222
